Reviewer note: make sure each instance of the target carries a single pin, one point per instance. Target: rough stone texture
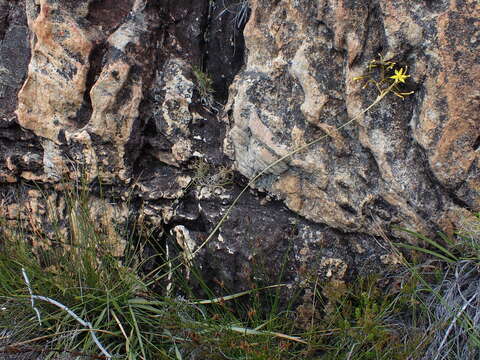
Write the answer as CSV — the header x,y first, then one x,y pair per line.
x,y
14,57
411,163
105,92
20,151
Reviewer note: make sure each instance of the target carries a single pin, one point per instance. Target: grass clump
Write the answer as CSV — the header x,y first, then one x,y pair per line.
x,y
449,288
204,86
425,314
211,177
83,273
366,322
241,12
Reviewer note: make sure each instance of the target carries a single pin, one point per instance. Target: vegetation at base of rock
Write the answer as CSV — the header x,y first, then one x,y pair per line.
x,y
450,282
207,175
420,311
204,85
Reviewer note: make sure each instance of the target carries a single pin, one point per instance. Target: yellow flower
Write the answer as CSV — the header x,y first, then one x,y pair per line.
x,y
400,75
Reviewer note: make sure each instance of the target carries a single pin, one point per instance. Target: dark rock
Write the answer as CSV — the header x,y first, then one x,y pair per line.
x,y
110,93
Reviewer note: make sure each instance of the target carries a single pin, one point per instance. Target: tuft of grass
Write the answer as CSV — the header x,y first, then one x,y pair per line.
x,y
208,176
455,313
241,12
132,321
448,287
204,85
469,235
111,292
366,322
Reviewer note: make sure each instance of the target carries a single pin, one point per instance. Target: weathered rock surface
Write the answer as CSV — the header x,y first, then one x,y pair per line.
x,y
412,163
109,92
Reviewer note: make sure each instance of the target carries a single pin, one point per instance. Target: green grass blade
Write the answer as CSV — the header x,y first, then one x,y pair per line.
x,y
233,296
139,335
446,239
425,251
431,242
247,331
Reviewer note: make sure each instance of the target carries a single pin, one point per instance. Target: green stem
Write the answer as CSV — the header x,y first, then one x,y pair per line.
x,y
301,148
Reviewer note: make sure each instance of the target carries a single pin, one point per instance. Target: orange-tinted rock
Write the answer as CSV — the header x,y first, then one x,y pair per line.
x,y
109,97
453,101
57,72
410,163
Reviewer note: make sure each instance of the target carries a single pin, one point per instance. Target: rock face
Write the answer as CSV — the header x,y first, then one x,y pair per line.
x,y
173,106
412,163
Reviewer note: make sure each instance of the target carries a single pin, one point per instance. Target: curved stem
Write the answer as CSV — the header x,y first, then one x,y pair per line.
x,y
301,148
